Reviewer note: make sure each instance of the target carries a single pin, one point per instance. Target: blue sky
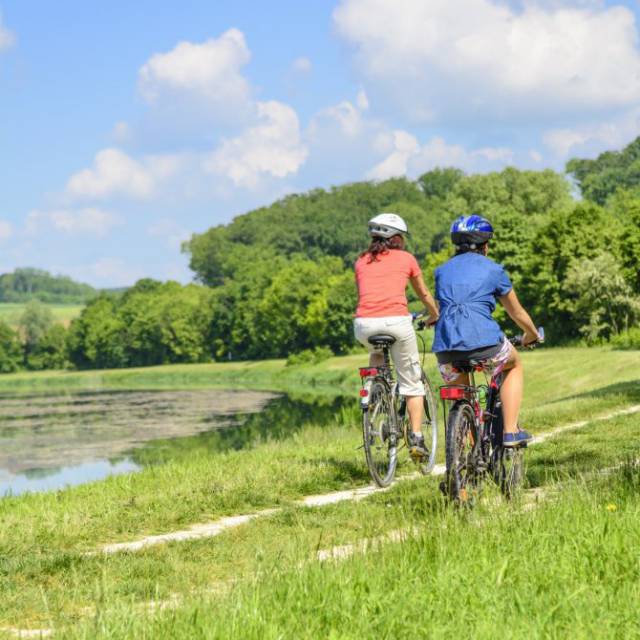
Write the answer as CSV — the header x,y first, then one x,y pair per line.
x,y
124,127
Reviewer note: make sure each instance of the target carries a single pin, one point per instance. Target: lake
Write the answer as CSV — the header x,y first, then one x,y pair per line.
x,y
48,442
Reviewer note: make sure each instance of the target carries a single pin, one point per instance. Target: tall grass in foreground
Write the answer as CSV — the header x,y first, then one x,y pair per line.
x,y
567,568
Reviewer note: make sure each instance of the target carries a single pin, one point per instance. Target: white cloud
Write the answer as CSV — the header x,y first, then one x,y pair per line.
x,y
347,116
114,173
406,156
115,272
7,38
169,230
404,147
121,132
209,70
536,156
302,65
593,138
464,58
272,147
6,230
90,221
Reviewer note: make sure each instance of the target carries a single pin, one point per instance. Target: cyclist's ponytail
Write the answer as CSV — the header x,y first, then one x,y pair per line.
x,y
382,245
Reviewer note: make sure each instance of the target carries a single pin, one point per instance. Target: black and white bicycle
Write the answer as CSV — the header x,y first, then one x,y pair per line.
x,y
385,421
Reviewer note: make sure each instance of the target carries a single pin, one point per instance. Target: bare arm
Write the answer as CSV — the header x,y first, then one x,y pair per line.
x,y
418,285
518,314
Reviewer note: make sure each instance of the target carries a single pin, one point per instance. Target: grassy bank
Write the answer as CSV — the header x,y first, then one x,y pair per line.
x,y
551,373
560,570
520,562
48,580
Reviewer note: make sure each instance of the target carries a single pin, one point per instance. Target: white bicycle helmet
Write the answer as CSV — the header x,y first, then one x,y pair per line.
x,y
387,225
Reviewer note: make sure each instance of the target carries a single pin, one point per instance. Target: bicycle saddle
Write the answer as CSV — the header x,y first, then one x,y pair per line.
x,y
381,340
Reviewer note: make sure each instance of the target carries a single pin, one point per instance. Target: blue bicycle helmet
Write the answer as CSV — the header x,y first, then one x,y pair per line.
x,y
472,230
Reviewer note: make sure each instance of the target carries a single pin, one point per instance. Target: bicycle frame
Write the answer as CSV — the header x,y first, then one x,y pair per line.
x,y
473,393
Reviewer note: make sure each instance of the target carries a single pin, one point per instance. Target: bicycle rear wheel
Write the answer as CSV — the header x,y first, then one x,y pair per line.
x,y
379,430
462,481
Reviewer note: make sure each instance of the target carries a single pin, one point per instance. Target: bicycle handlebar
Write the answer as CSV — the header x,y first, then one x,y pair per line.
x,y
517,341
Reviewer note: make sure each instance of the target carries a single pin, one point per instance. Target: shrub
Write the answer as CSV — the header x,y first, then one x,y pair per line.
x,y
309,356
627,339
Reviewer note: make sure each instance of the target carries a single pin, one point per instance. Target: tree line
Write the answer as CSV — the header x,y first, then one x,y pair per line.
x,y
278,281
26,284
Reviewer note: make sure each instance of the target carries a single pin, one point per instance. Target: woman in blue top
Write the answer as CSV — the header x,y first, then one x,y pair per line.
x,y
467,287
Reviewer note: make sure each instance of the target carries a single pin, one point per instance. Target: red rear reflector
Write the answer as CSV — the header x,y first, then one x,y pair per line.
x,y
370,371
452,393
363,393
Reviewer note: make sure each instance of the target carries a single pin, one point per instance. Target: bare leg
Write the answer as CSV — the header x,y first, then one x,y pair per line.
x,y
415,406
511,392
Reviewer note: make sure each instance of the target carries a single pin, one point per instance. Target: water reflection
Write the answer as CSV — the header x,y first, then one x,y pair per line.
x,y
49,442
281,418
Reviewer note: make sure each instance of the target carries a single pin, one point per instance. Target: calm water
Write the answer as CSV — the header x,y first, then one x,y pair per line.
x,y
48,442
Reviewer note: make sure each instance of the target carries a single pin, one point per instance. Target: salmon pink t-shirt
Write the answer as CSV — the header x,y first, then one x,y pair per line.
x,y
382,283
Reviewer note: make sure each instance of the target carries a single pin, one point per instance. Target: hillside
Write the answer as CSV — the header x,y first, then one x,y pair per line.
x,y
23,285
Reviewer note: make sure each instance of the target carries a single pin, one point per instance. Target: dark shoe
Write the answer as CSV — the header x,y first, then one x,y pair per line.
x,y
518,439
417,449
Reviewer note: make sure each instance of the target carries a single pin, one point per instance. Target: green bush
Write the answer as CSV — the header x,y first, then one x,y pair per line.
x,y
309,356
627,339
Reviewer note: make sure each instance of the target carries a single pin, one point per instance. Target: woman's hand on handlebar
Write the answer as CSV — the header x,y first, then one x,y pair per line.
x,y
431,319
530,339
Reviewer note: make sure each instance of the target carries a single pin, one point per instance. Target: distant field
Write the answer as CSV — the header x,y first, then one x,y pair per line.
x,y
10,312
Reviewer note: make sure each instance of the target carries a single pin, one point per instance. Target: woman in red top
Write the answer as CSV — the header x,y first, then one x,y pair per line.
x,y
382,274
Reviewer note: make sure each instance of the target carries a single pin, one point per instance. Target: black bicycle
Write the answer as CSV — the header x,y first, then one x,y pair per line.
x,y
385,420
473,436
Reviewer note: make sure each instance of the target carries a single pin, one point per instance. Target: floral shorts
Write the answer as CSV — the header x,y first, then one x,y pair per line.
x,y
493,365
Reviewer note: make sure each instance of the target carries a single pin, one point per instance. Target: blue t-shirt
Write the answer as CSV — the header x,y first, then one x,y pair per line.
x,y
466,288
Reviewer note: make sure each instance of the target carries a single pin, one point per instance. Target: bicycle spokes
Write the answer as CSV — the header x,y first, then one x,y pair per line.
x,y
380,435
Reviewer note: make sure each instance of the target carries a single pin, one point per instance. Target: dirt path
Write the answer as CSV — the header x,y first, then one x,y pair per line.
x,y
211,529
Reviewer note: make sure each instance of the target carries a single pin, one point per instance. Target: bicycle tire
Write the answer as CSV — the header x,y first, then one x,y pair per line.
x,y
509,469
379,432
507,464
461,479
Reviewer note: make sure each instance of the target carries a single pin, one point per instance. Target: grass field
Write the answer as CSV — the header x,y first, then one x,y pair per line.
x,y
566,566
10,312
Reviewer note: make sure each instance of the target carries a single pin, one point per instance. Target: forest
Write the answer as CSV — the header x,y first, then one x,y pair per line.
x,y
277,282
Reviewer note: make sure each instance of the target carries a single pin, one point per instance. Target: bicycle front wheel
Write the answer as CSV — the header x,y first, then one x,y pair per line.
x,y
508,469
379,430
461,437
429,427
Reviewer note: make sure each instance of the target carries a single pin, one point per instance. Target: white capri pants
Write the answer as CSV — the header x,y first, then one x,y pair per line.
x,y
404,351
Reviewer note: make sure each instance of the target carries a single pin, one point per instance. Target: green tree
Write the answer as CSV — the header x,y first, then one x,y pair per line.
x,y
35,321
625,206
600,299
11,354
311,225
612,170
34,284
329,316
97,339
439,182
582,233
50,352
